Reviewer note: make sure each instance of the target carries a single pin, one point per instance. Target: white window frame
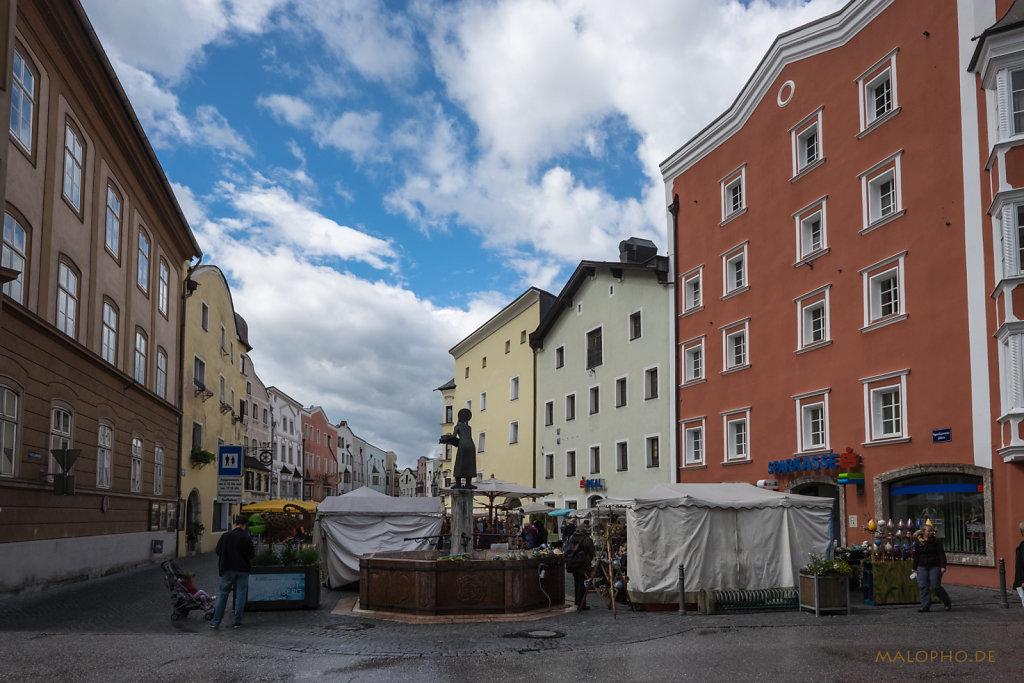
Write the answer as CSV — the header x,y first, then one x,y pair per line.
x,y
481,442
570,407
1011,369
594,458
108,336
513,388
599,330
67,298
549,465
549,413
161,373
198,362
104,455
164,287
805,405
652,456
818,299
693,347
112,226
594,399
513,432
143,246
570,459
652,388
622,455
62,424
875,390
694,443
871,182
637,316
559,357
158,470
804,219
734,204
74,162
736,424
23,99
693,290
135,484
621,391
882,69
9,417
140,356
799,135
740,328
730,284
483,401
13,255
872,277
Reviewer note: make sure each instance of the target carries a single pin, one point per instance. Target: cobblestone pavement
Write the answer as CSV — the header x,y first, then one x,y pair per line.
x,y
118,628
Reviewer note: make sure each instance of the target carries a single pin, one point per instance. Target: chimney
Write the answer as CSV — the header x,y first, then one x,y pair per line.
x,y
636,250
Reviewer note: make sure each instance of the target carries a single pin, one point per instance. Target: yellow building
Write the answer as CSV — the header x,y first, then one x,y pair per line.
x,y
216,339
494,378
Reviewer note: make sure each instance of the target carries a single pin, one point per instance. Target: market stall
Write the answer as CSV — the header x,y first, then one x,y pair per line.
x,y
727,536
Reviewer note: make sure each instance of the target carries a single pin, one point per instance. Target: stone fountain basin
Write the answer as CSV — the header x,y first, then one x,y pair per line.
x,y
417,582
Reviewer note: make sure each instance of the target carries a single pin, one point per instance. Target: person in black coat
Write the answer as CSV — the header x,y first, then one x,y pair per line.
x,y
930,565
1018,569
234,562
578,562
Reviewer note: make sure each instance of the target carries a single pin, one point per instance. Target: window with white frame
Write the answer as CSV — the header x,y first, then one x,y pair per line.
x,y
570,407
881,194
595,350
811,236
570,463
198,372
8,430
205,317
161,373
549,465
812,421
1016,103
112,234
513,431
73,158
142,264
878,92
734,269
693,443
693,360
108,342
559,357
806,142
223,394
483,401
595,399
885,406
1011,363
735,345
635,326
737,436
620,392
481,442
164,287
513,389
23,100
508,346
549,413
60,435
140,357
884,292
621,456
12,255
67,299
652,448
595,460
158,471
813,325
650,383
693,296
136,472
104,456
733,193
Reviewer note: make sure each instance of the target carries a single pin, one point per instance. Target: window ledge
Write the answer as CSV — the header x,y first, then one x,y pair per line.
x,y
807,169
883,322
729,371
885,442
733,216
694,466
692,382
746,461
817,451
878,122
653,467
809,259
1012,413
691,311
734,292
814,347
1011,454
651,398
882,221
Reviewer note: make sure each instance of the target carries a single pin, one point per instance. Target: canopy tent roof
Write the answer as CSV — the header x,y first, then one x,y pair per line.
x,y
492,488
279,505
735,496
367,501
536,509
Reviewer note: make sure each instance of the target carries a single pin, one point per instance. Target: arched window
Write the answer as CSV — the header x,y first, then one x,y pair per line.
x,y
108,340
112,235
23,101
74,159
13,256
67,298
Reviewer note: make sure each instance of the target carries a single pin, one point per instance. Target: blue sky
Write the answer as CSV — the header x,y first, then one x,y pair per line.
x,y
376,179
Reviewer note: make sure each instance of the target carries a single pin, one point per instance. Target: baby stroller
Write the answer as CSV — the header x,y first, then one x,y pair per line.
x,y
183,602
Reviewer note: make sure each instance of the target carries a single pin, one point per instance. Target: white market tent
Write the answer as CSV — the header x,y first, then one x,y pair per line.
x,y
367,521
727,536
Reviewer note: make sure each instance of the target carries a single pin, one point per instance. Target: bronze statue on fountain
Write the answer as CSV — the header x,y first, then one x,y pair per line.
x,y
465,455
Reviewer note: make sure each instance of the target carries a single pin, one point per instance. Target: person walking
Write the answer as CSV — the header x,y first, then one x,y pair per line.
x,y
234,561
930,565
1018,569
579,555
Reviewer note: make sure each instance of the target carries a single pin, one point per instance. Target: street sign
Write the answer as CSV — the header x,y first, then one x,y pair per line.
x,y
229,489
942,435
229,461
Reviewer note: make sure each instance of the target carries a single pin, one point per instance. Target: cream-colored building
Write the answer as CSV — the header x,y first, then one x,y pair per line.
x,y
494,379
215,343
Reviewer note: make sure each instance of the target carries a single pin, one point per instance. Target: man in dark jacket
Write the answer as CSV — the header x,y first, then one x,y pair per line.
x,y
1018,569
579,556
930,565
234,561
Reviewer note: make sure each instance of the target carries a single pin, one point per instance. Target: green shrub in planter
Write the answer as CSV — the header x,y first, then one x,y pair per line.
x,y
266,558
309,556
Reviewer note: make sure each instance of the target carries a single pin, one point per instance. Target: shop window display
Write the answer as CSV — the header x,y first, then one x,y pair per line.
x,y
955,503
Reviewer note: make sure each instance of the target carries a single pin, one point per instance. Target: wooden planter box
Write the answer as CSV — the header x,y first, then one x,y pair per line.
x,y
284,587
825,593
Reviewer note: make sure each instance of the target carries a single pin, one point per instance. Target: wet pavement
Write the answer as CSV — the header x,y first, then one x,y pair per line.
x,y
118,628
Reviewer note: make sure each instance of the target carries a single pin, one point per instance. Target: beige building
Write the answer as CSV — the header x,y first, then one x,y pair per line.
x,y
494,379
216,341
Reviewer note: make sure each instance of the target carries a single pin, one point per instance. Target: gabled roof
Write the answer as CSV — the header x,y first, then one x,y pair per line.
x,y
520,304
1014,18
450,384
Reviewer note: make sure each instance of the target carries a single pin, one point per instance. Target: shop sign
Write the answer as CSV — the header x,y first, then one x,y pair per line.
x,y
815,462
589,484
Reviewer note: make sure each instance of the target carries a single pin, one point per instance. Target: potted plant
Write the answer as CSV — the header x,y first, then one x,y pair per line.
x,y
284,577
193,532
200,456
825,585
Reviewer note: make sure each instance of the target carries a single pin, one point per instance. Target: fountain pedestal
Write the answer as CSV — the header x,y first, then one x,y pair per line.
x,y
462,521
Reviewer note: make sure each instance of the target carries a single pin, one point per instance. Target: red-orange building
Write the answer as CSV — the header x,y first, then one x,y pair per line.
x,y
846,243
320,455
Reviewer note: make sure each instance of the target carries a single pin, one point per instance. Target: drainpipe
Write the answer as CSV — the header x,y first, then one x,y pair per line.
x,y
186,292
673,209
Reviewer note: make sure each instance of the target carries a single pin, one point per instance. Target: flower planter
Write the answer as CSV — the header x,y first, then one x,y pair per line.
x,y
284,587
825,593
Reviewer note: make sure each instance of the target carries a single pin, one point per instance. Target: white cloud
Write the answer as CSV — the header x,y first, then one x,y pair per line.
x,y
355,133
288,108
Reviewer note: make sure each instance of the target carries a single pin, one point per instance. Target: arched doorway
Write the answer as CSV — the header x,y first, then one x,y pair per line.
x,y
193,523
825,487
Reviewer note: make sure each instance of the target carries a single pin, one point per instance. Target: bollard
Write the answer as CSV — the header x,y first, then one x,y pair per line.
x,y
682,591
1002,584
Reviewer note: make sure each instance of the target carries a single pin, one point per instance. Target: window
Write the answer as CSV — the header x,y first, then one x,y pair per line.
x,y
884,300
885,406
158,470
806,140
1016,100
812,318
810,231
483,401
104,456
108,341
570,463
635,327
67,299
570,407
694,444
206,317
199,373
513,389
813,423
140,357
734,269
653,449
197,435
621,456
73,155
733,198
693,360
807,146
223,391
481,442
522,337
467,372
882,199
60,434
223,341
13,256
549,413
650,383
595,399
513,431
8,431
594,349
508,346
693,297
449,412
737,445
549,465
620,392
483,362
595,460
164,287
161,373
112,237
142,276
954,502
559,357
878,93
735,347
23,100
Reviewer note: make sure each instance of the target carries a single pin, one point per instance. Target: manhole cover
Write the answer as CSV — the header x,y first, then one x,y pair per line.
x,y
361,626
536,634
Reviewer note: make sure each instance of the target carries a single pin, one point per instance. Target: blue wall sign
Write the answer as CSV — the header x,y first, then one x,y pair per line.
x,y
229,461
942,435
